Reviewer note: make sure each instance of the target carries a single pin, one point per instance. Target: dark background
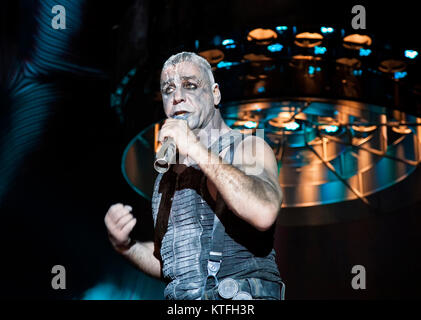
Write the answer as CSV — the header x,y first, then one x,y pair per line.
x,y
53,206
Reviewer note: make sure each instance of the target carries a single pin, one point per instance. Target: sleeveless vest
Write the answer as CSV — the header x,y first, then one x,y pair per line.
x,y
183,213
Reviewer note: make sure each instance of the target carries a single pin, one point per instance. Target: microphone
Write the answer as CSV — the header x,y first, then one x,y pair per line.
x,y
166,155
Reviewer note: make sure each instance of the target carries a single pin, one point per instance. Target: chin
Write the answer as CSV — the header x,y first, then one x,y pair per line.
x,y
192,123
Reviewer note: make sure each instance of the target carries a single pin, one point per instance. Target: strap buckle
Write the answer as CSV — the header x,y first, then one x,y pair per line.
x,y
213,268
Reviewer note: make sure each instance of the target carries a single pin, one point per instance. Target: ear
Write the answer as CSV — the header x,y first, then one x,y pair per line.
x,y
216,94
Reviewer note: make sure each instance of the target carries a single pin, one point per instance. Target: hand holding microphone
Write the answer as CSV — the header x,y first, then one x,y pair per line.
x,y
165,156
173,134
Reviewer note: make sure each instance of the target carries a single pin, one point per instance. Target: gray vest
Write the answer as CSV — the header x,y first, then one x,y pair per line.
x,y
183,213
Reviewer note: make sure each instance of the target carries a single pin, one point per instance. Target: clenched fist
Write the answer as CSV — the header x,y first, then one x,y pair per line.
x,y
183,136
120,223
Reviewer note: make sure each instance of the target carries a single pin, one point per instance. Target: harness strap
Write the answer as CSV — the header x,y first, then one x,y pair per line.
x,y
217,241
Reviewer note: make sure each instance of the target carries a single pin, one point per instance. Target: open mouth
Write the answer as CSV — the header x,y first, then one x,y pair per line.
x,y
180,114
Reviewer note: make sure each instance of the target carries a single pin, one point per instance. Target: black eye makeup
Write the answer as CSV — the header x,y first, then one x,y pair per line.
x,y
188,82
168,89
190,85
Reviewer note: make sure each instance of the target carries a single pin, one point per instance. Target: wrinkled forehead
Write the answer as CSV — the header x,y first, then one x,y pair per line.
x,y
185,69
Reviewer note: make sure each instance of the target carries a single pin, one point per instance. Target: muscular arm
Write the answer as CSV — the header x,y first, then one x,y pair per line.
x,y
249,187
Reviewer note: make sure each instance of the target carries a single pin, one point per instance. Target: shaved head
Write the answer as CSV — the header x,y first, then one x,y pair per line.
x,y
193,58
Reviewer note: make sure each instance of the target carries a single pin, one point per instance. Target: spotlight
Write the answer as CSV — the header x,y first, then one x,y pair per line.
x,y
363,128
226,64
329,124
319,50
292,126
411,54
312,70
331,129
326,29
276,47
262,36
250,124
227,42
283,120
400,75
402,129
365,52
281,29
396,68
308,40
356,41
244,126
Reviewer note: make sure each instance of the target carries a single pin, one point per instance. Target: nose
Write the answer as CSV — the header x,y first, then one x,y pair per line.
x,y
178,96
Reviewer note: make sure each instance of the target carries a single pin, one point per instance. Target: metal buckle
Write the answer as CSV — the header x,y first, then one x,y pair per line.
x,y
228,288
213,268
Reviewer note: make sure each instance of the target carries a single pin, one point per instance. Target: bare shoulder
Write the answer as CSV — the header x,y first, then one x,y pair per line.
x,y
254,141
254,149
255,157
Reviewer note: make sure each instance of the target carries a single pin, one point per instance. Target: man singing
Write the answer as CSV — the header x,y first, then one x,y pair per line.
x,y
214,211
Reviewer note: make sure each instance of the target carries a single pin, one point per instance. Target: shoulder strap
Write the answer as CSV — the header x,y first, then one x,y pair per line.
x,y
231,139
217,241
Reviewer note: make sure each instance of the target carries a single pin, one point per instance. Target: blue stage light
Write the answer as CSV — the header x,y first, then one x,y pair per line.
x,y
319,50
281,28
326,29
312,70
261,89
331,129
411,54
292,126
400,75
227,42
226,64
276,47
250,124
230,46
364,52
357,72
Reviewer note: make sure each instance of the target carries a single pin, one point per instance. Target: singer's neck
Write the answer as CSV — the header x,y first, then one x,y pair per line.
x,y
215,128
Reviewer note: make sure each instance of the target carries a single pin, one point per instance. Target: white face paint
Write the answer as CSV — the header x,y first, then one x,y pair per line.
x,y
187,92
